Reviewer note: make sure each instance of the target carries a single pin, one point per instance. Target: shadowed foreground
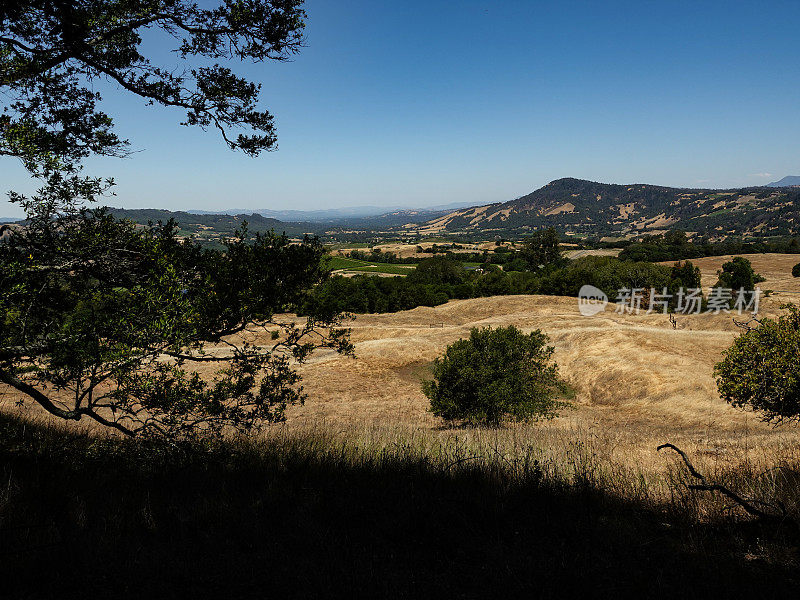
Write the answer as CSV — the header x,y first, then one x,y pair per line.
x,y
314,514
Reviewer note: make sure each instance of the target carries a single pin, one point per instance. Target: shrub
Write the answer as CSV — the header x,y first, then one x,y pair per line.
x,y
761,370
796,270
738,274
493,374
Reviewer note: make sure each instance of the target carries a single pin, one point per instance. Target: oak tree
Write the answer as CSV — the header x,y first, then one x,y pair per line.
x,y
131,326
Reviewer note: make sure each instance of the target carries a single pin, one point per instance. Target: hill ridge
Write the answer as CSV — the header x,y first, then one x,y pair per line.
x,y
583,207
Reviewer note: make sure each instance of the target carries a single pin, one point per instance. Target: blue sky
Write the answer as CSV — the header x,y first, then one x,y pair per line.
x,y
418,103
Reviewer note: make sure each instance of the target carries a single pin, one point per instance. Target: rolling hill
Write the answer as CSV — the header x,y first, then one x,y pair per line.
x,y
589,208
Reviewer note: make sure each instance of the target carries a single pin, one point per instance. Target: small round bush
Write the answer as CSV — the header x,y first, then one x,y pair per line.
x,y
796,270
493,374
761,370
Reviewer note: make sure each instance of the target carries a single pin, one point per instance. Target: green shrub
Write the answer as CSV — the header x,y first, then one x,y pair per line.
x,y
738,274
796,270
495,373
761,370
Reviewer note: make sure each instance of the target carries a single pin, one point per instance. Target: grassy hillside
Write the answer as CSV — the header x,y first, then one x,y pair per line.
x,y
364,493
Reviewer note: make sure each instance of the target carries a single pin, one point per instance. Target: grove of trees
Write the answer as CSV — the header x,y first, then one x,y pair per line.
x,y
439,279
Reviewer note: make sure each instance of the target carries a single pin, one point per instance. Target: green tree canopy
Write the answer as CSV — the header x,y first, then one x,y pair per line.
x,y
542,249
738,274
110,321
761,370
493,374
438,269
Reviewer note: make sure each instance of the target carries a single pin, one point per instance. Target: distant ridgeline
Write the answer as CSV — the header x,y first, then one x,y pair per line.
x,y
574,207
788,181
211,226
600,209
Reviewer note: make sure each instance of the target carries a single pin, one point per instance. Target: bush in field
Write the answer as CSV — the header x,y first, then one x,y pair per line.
x,y
493,374
762,369
796,270
685,275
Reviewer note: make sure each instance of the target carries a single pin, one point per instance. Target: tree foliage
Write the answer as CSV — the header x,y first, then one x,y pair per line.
x,y
674,245
52,52
542,249
438,270
761,370
364,294
738,274
493,374
111,321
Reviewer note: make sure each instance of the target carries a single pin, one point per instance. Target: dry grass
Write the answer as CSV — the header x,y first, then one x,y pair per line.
x,y
390,511
639,383
363,489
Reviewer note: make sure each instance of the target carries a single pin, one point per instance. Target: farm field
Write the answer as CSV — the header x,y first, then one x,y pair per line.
x,y
341,265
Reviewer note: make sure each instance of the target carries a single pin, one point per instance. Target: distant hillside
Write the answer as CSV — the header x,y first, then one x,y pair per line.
x,y
788,181
590,208
211,226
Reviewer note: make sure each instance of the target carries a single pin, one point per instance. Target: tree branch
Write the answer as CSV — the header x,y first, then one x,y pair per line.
x,y
705,486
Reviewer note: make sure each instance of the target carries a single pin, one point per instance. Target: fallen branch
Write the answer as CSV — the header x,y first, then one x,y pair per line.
x,y
746,324
703,485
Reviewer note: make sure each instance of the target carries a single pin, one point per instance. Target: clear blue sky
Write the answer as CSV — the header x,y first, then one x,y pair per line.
x,y
422,102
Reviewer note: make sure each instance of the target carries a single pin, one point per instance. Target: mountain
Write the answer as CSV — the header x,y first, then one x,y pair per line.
x,y
581,207
788,181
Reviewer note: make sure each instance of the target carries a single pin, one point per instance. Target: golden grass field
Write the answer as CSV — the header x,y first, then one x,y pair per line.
x,y
638,381
363,489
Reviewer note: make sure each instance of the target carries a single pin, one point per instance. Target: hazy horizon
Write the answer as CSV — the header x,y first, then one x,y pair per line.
x,y
417,104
